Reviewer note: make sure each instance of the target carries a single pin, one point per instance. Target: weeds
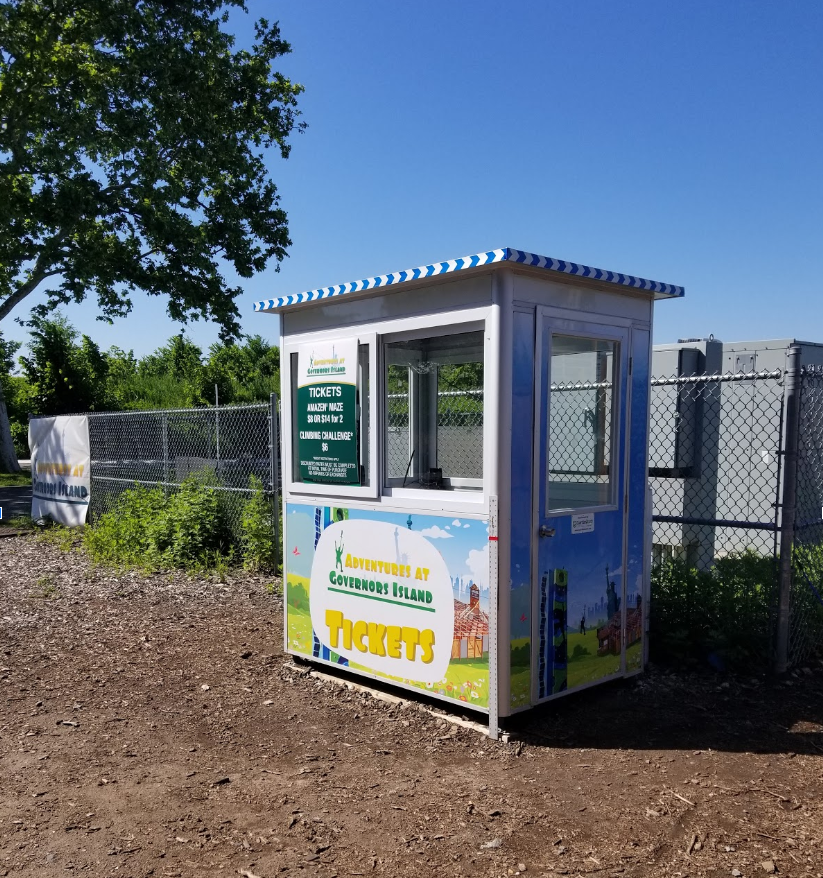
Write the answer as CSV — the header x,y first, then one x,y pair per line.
x,y
220,564
257,530
65,538
146,529
46,588
187,529
19,522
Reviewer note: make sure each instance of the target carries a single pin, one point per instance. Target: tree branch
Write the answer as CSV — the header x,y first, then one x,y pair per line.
x,y
38,275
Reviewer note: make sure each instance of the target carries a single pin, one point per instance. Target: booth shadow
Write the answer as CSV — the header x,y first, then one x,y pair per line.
x,y
655,711
666,711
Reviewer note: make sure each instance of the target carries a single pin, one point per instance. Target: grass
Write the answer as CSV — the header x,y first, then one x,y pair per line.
x,y
299,630
584,664
18,522
634,656
521,686
466,680
15,480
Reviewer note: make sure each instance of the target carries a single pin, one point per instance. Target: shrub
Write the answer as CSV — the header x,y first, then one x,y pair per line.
x,y
257,536
147,529
807,599
124,535
723,616
727,615
20,438
191,527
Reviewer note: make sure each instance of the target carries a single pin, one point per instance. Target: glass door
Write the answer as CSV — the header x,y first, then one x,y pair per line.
x,y
581,591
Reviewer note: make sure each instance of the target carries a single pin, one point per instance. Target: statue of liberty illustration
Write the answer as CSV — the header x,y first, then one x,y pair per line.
x,y
398,557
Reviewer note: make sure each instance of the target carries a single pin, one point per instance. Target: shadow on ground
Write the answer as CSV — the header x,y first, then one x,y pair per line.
x,y
686,711
15,501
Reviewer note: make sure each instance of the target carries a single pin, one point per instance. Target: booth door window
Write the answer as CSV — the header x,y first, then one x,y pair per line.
x,y
434,412
581,593
581,422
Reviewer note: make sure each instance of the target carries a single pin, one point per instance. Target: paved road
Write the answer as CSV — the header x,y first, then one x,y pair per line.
x,y
15,501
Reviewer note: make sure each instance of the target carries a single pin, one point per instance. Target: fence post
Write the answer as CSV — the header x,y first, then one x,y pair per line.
x,y
788,509
274,458
165,428
217,427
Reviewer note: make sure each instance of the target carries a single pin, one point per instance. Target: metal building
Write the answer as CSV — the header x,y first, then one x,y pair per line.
x,y
716,433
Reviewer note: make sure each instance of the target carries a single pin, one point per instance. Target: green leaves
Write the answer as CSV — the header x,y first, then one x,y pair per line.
x,y
722,615
62,376
146,529
257,537
131,153
63,372
186,529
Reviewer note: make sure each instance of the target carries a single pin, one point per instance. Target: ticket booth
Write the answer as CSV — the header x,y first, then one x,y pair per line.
x,y
464,450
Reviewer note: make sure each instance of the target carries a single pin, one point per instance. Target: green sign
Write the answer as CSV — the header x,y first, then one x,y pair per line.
x,y
327,413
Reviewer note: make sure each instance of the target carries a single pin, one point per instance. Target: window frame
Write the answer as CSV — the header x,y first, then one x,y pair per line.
x,y
614,426
581,327
460,489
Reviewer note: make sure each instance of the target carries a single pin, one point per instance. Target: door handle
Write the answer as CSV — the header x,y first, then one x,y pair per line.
x,y
546,531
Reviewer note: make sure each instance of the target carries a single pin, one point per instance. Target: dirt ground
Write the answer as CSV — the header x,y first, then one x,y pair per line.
x,y
151,725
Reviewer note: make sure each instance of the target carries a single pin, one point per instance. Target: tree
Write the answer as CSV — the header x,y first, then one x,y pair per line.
x,y
131,155
173,376
247,372
63,376
8,456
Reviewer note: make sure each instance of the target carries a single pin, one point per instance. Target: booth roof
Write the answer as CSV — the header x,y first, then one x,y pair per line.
x,y
492,257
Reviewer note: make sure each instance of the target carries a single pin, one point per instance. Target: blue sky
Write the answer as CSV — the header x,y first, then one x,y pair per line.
x,y
677,141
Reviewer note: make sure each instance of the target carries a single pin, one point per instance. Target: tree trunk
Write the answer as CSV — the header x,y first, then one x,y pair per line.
x,y
8,456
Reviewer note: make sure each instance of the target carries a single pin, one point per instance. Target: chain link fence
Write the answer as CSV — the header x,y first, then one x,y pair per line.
x,y
460,433
580,432
735,463
806,599
736,471
455,439
398,425
224,447
715,446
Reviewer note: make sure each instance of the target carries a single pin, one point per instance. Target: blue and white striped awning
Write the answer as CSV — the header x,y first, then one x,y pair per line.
x,y
507,254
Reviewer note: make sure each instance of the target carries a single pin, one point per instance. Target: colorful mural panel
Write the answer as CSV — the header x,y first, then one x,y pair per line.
x,y
580,606
400,596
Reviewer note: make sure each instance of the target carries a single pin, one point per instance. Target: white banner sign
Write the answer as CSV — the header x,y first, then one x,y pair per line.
x,y
60,468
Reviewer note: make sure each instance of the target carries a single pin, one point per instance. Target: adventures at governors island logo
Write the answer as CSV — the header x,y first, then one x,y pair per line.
x,y
326,413
46,488
381,596
320,367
